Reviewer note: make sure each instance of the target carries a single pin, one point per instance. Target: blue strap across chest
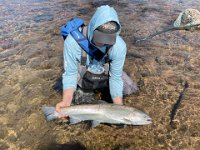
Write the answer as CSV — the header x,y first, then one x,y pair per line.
x,y
86,45
72,27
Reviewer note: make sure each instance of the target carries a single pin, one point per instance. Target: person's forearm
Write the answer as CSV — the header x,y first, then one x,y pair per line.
x,y
118,100
68,96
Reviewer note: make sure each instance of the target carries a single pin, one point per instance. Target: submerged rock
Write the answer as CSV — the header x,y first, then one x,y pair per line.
x,y
41,18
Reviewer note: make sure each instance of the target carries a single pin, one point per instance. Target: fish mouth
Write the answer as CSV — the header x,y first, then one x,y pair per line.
x,y
144,121
148,121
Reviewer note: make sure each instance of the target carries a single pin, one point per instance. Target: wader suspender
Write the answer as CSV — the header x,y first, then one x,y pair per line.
x,y
83,53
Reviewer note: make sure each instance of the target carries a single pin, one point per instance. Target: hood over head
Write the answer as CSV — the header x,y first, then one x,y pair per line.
x,y
103,15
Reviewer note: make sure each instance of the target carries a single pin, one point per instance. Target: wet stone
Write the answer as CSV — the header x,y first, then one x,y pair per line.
x,y
121,146
82,97
145,73
173,143
50,73
12,138
183,54
65,146
195,134
197,86
35,62
46,65
140,84
160,60
183,129
21,61
194,130
197,145
31,52
56,61
173,80
8,63
33,125
3,146
41,18
172,61
8,52
182,146
168,136
99,3
161,140
84,11
7,45
12,107
3,133
164,96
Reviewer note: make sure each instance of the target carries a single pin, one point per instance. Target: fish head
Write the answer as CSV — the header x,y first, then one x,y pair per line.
x,y
138,118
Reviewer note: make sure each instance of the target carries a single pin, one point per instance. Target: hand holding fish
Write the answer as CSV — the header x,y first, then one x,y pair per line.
x,y
60,105
67,100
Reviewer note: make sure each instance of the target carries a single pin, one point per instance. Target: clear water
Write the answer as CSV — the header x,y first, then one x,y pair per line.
x,y
31,65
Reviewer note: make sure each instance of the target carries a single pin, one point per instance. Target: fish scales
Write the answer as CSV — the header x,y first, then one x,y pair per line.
x,y
100,113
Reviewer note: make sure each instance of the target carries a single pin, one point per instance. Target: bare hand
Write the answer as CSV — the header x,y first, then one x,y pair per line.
x,y
60,105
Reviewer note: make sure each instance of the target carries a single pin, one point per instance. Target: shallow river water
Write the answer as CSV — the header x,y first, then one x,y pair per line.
x,y
31,66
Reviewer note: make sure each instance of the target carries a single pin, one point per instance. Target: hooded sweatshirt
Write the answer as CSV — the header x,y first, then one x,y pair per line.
x,y
72,53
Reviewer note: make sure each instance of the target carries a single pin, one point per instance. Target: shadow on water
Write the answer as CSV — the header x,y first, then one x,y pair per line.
x,y
58,86
177,104
66,146
97,3
104,2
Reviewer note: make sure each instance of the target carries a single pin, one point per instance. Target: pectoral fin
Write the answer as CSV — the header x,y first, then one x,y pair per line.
x,y
127,121
74,120
95,123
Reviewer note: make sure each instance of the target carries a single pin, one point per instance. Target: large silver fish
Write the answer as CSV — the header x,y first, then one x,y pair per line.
x,y
100,113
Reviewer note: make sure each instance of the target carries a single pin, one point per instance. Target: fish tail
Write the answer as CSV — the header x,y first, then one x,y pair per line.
x,y
49,113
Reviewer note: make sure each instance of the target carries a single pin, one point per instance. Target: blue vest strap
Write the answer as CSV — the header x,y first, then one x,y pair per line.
x,y
71,27
86,45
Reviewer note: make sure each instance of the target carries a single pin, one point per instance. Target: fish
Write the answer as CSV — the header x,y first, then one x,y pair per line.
x,y
99,113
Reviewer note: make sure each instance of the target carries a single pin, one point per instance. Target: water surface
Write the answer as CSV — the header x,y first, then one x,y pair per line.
x,y
31,63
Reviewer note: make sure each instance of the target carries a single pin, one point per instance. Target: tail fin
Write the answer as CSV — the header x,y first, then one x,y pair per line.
x,y
49,113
